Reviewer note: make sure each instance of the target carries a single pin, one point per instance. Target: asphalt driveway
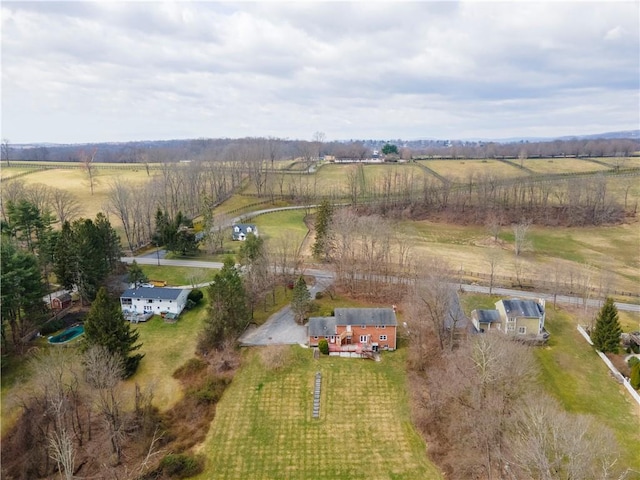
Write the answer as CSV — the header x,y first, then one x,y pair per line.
x,y
281,328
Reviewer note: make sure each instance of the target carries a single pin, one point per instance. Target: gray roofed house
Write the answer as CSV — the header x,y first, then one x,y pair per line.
x,y
485,320
365,316
321,326
239,231
357,330
156,300
523,317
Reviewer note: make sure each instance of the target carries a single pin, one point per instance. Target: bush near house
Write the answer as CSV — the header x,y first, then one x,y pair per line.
x,y
323,346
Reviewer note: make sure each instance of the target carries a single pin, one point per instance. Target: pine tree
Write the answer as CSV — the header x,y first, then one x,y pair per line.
x,y
136,275
105,325
323,220
301,301
228,309
606,334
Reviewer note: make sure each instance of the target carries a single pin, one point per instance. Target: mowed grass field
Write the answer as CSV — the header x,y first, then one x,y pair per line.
x,y
264,428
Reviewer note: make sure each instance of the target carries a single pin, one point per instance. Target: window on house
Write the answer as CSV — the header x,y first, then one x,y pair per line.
x,y
126,301
236,229
522,330
383,337
511,328
364,338
383,326
315,338
150,300
363,326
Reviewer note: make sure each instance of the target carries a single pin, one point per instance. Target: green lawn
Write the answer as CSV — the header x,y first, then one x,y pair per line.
x,y
264,428
179,276
575,375
166,346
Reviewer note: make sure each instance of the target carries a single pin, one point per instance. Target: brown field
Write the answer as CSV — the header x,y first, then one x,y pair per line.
x,y
462,170
75,180
559,165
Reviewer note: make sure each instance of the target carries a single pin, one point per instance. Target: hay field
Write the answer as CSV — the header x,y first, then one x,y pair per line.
x,y
75,181
461,170
560,165
264,428
622,162
608,254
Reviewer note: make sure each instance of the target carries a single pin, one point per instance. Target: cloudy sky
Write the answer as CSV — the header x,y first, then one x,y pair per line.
x,y
118,71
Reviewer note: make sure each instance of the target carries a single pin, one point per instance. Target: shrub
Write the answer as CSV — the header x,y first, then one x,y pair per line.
x,y
632,361
635,376
51,327
180,465
195,295
210,391
323,346
190,367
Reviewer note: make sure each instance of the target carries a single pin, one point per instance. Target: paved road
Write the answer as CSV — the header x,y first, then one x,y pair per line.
x,y
325,275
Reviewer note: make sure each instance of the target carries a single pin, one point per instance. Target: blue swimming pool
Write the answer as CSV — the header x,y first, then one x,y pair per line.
x,y
67,335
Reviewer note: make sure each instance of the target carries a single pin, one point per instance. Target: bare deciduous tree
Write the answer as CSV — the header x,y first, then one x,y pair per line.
x,y
65,205
493,257
433,297
521,241
548,443
104,374
90,167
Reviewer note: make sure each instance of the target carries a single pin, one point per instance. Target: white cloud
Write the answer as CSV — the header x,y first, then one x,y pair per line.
x,y
127,70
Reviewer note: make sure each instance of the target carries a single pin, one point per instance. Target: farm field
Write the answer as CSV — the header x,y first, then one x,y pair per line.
x,y
461,170
560,165
75,181
264,428
607,254
622,162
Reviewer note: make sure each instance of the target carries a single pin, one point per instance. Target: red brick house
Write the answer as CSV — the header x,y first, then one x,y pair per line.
x,y
358,330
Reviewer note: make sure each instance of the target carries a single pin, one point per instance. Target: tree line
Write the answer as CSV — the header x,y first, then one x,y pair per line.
x,y
222,149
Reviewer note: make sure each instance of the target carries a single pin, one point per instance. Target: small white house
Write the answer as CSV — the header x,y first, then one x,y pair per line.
x,y
241,230
154,300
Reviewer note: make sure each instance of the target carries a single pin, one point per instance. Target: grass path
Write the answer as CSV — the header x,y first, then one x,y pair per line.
x,y
264,427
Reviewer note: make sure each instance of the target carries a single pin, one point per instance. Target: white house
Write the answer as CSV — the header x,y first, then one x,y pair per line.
x,y
241,230
155,300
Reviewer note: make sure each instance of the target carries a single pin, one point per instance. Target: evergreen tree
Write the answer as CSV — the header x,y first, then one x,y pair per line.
x,y
322,223
228,308
21,291
86,254
389,148
65,261
606,334
105,325
136,275
301,300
